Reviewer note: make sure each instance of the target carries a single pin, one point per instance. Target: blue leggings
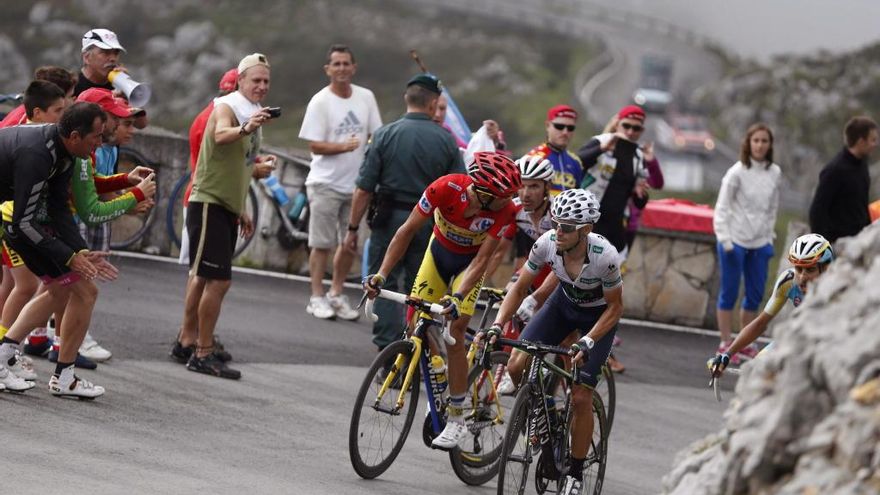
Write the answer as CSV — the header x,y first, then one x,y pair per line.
x,y
751,264
557,318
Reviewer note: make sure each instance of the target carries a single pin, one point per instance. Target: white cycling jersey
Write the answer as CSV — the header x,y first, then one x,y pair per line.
x,y
525,225
600,270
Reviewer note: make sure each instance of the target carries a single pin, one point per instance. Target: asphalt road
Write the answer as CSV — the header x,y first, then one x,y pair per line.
x,y
283,427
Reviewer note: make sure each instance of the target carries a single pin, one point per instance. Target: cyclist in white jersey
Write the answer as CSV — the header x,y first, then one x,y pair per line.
x,y
589,297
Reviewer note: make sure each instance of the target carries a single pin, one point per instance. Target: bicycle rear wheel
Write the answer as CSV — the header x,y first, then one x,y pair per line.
x,y
128,229
252,208
594,465
476,460
516,454
378,427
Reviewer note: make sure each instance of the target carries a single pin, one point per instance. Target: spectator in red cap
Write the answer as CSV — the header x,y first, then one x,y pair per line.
x,y
560,125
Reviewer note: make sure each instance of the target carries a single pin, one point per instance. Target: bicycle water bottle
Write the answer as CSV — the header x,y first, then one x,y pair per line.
x,y
274,186
437,372
299,201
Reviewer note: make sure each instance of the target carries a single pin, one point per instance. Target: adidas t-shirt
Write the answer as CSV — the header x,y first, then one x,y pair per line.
x,y
332,119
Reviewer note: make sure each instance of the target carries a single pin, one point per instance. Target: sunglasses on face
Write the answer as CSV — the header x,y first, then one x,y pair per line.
x,y
566,228
632,127
561,127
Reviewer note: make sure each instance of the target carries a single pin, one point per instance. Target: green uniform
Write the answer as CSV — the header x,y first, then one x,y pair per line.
x,y
403,158
89,207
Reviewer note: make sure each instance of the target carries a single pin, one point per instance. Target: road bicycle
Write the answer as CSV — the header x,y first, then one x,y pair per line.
x,y
291,233
538,427
386,403
606,387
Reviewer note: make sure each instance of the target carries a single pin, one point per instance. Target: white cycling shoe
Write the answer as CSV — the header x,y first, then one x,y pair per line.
x,y
571,486
13,383
23,367
506,386
90,349
452,435
79,388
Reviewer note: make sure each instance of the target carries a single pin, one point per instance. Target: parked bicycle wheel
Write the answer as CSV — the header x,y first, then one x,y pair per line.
x,y
252,208
381,419
128,229
174,210
476,460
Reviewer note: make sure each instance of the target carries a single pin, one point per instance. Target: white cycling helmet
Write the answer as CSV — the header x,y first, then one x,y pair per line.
x,y
810,250
577,206
535,167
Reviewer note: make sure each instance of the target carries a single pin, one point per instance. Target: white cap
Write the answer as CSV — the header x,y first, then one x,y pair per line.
x,y
102,38
252,60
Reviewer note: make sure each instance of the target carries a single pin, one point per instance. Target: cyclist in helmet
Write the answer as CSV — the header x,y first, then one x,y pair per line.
x,y
589,298
810,256
471,213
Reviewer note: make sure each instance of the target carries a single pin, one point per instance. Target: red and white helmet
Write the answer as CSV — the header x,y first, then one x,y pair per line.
x,y
495,174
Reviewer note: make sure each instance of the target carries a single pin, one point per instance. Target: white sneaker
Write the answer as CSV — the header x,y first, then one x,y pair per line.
x,y
13,383
92,350
571,486
23,367
319,307
454,433
342,308
506,387
78,388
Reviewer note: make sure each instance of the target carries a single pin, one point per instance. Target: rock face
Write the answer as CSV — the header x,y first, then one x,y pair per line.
x,y
806,416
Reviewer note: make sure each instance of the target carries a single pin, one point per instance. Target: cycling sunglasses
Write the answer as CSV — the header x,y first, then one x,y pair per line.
x,y
560,127
566,228
632,127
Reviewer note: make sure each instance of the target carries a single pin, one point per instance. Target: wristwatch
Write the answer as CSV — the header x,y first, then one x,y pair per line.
x,y
353,228
242,131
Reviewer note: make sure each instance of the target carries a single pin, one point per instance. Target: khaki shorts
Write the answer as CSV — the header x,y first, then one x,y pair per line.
x,y
328,216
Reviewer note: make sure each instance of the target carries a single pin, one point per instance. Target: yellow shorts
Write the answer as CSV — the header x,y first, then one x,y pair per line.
x,y
438,267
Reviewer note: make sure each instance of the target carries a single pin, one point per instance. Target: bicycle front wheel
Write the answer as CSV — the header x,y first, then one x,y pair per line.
x,y
516,453
606,389
476,460
128,229
381,419
594,465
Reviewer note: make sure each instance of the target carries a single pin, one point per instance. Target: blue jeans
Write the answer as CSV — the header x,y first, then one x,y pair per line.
x,y
751,264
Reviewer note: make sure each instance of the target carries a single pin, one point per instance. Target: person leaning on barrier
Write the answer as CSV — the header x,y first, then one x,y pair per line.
x,y
403,158
216,212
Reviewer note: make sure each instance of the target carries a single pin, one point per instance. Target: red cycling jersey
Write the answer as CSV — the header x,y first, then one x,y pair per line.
x,y
447,199
16,116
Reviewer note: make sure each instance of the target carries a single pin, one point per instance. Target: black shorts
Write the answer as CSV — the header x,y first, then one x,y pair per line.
x,y
37,262
212,231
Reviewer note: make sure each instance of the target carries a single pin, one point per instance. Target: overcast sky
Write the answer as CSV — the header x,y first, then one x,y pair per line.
x,y
756,28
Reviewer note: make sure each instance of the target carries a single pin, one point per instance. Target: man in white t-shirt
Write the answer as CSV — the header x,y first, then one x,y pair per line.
x,y
338,123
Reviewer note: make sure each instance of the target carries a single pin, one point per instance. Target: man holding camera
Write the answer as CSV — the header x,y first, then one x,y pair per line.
x,y
215,214
404,157
338,124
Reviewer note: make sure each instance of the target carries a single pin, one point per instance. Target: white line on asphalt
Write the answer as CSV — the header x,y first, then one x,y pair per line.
x,y
350,285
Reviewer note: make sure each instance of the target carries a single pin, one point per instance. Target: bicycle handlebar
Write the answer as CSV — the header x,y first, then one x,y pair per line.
x,y
419,304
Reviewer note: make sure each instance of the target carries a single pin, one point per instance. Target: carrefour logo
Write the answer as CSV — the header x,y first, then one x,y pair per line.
x,y
481,224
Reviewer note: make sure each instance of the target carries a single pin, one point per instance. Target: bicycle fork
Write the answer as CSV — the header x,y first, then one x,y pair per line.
x,y
407,379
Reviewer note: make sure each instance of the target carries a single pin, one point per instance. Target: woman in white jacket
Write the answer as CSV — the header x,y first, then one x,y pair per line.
x,y
745,216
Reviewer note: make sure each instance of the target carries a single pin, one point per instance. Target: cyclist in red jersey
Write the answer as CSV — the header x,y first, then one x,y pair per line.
x,y
471,213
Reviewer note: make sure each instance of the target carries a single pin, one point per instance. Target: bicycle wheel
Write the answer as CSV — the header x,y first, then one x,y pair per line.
x,y
252,208
476,460
131,227
516,456
174,210
606,389
594,465
378,427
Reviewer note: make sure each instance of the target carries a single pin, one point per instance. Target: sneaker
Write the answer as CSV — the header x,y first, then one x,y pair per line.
x,y
80,362
221,352
40,350
79,388
571,486
23,368
13,383
506,387
319,307
749,352
180,353
90,349
617,341
342,308
454,433
212,365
